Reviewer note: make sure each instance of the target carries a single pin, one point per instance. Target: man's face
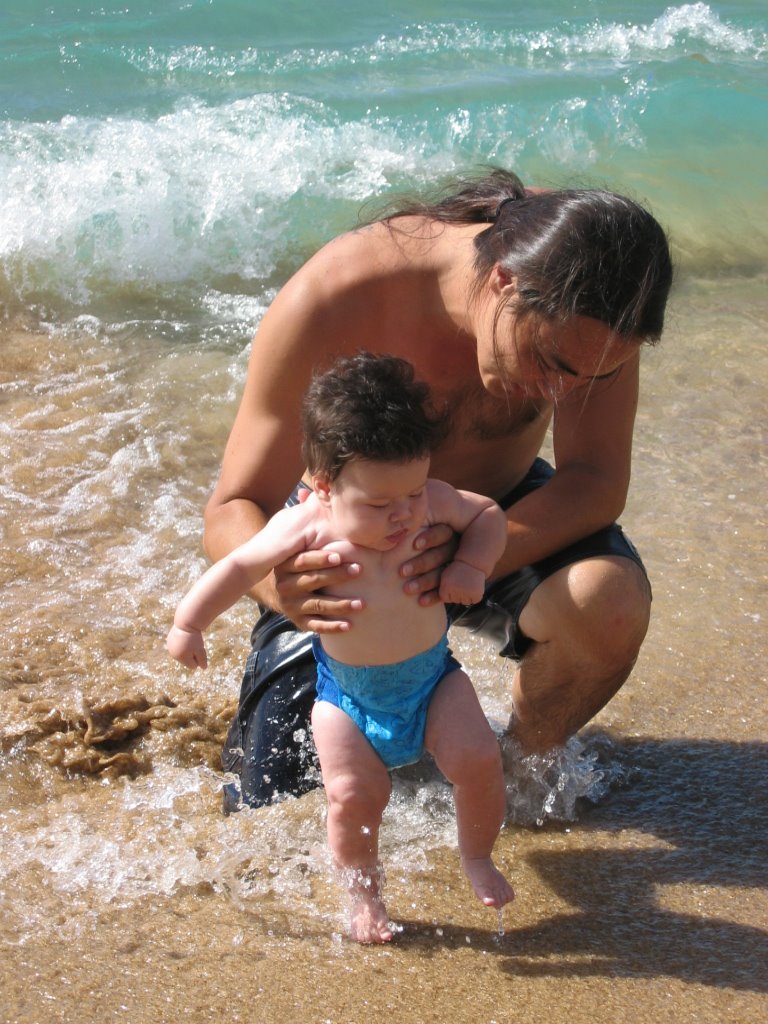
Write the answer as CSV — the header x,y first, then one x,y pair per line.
x,y
542,359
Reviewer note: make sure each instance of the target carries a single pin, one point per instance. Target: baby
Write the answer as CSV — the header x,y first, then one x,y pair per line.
x,y
389,687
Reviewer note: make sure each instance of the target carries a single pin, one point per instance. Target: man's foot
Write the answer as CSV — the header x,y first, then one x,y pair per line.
x,y
491,887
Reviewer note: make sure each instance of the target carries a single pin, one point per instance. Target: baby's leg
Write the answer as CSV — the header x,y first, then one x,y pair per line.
x,y
357,788
467,753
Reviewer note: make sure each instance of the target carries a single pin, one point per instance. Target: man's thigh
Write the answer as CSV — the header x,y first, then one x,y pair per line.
x,y
500,615
591,604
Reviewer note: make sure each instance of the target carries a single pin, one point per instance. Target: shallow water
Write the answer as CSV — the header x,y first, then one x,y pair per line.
x,y
645,887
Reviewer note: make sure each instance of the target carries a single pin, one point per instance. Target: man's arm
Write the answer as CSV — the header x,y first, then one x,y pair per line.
x,y
262,460
592,439
592,436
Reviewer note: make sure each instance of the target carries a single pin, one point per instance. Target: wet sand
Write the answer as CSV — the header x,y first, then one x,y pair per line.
x,y
124,893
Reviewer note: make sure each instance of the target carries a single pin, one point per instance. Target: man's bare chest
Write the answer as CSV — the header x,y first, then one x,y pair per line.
x,y
477,415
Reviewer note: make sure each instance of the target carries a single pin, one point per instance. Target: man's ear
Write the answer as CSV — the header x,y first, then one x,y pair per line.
x,y
503,282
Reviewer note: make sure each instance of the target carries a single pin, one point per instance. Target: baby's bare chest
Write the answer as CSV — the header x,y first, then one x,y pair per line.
x,y
378,582
392,625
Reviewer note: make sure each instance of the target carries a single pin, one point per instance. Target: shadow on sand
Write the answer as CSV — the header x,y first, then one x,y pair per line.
x,y
707,802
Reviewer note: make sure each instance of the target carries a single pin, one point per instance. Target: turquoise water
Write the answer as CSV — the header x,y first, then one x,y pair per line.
x,y
170,162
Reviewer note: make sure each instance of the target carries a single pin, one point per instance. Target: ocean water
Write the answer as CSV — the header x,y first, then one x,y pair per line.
x,y
164,167
172,161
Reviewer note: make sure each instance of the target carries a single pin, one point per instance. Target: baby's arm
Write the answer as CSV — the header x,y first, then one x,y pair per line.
x,y
482,526
229,579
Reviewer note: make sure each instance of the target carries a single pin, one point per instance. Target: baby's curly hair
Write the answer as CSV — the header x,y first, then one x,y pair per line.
x,y
368,407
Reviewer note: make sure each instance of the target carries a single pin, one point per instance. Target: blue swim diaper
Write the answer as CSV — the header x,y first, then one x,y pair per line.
x,y
388,703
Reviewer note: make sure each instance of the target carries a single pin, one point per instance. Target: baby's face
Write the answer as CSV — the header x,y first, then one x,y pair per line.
x,y
379,504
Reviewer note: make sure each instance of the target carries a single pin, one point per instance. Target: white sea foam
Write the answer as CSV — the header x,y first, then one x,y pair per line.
x,y
677,32
194,196
160,834
683,29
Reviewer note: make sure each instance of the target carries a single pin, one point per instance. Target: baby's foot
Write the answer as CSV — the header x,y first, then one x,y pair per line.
x,y
369,921
491,887
368,918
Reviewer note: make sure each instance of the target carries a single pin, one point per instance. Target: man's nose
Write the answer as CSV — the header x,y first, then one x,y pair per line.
x,y
553,388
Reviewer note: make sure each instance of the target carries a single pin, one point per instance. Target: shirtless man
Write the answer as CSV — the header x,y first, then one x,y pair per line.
x,y
517,308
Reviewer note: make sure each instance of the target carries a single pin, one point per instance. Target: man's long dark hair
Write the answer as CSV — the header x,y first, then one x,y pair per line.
x,y
571,252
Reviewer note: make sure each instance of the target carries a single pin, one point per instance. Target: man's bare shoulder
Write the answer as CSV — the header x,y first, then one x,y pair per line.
x,y
347,281
374,252
319,312
352,258
360,290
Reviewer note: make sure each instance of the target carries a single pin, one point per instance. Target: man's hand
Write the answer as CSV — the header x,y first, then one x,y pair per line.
x,y
299,582
437,545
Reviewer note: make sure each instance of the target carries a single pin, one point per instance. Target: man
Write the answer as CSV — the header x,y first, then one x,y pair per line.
x,y
484,317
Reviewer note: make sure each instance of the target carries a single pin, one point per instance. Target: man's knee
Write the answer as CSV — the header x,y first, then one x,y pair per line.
x,y
614,598
600,606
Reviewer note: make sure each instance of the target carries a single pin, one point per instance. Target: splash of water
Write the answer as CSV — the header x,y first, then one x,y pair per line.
x,y
549,787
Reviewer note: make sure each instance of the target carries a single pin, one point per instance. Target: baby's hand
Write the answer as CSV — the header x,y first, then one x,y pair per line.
x,y
187,646
461,583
